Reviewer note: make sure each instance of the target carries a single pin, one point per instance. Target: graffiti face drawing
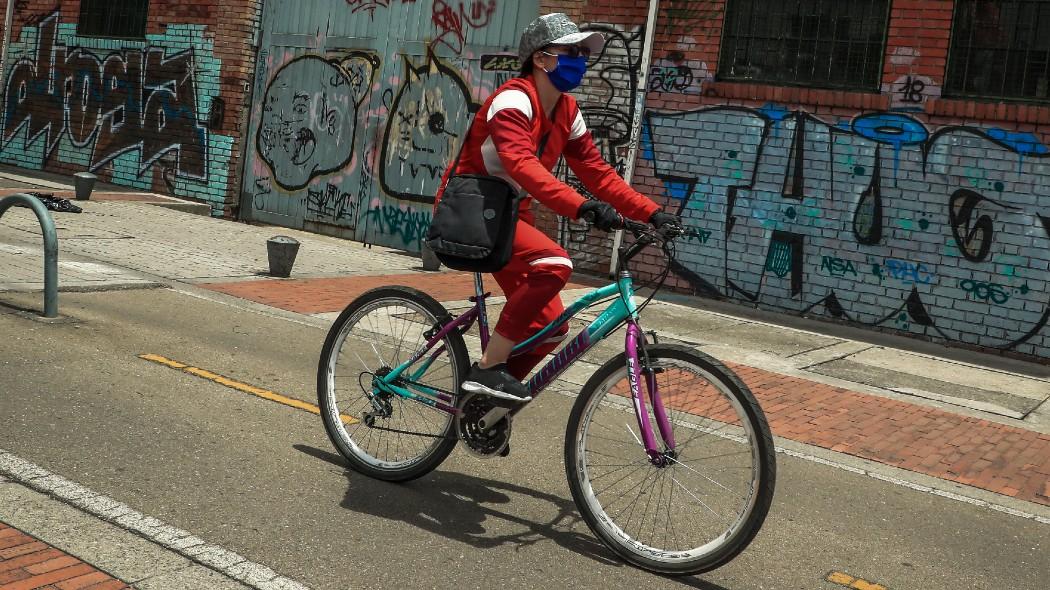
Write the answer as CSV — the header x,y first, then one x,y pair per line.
x,y
309,119
427,122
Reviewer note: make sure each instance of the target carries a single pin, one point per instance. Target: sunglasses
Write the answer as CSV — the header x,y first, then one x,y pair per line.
x,y
569,50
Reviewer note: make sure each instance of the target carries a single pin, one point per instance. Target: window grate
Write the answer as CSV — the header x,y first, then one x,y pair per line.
x,y
1000,50
118,19
817,43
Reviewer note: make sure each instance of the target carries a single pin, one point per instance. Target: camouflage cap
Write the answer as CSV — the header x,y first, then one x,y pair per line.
x,y
556,29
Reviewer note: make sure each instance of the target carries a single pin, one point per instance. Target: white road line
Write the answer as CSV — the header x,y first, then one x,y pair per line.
x,y
182,542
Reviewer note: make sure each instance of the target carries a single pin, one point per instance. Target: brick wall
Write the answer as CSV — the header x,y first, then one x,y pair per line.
x,y
900,209
162,114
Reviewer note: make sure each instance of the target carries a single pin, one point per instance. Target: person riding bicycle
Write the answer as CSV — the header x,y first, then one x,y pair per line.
x,y
522,115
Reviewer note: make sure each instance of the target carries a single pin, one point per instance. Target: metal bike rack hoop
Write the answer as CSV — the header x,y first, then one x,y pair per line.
x,y
47,228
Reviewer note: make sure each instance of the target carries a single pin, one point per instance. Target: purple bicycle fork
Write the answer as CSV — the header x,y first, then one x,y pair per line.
x,y
634,368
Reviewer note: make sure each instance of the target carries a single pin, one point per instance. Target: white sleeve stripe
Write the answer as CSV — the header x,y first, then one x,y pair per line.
x,y
552,261
579,127
510,99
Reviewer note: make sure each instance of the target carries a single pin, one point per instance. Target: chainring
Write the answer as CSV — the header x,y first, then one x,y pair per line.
x,y
481,443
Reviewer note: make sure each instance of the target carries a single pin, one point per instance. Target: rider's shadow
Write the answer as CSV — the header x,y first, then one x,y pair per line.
x,y
456,506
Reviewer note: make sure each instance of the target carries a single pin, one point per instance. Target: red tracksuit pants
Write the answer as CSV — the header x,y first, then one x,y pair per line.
x,y
537,272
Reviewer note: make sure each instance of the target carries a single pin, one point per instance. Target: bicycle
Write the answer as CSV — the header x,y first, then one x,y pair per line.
x,y
405,414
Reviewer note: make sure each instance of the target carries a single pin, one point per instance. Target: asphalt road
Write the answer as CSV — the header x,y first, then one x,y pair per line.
x,y
263,480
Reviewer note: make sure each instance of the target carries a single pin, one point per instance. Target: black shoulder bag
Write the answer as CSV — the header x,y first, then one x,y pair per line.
x,y
474,223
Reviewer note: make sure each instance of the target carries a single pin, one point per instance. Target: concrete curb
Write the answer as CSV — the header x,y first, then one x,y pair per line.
x,y
149,554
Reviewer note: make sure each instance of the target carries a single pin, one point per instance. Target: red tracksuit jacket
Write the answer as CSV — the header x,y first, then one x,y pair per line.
x,y
505,136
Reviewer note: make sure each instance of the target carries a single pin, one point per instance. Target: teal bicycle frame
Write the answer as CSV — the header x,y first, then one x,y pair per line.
x,y
403,380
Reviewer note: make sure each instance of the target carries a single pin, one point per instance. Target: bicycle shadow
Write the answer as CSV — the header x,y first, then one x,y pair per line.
x,y
456,506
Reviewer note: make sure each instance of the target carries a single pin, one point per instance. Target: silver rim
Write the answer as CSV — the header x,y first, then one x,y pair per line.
x,y
382,333
696,506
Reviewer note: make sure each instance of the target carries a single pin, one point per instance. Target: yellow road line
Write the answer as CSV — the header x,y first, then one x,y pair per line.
x,y
242,387
844,579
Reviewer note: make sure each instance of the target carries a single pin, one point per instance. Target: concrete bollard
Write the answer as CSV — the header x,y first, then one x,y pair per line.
x,y
430,259
84,183
281,252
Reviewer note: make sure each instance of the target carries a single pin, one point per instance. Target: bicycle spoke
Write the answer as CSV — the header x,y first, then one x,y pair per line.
x,y
700,474
688,491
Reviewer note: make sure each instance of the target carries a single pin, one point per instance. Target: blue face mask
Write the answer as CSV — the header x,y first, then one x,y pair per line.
x,y
568,73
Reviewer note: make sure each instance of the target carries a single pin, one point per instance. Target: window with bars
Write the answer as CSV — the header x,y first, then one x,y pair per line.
x,y
118,19
816,43
1000,50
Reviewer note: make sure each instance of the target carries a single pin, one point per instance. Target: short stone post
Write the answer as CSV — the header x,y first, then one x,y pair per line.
x,y
84,182
281,252
430,259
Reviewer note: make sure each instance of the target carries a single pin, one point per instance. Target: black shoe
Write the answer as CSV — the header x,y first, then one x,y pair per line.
x,y
496,382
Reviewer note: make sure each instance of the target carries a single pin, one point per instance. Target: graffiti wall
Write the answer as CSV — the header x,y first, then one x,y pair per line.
x,y
354,130
898,210
142,114
876,219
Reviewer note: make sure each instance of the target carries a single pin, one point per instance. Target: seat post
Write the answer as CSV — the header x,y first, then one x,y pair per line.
x,y
483,314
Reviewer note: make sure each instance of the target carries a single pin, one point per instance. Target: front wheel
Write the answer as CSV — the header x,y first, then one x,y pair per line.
x,y
708,501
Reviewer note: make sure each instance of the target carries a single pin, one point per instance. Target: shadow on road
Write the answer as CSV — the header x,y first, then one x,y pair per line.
x,y
456,506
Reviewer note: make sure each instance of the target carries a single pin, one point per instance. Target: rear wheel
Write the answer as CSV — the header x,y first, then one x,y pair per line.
x,y
381,434
708,501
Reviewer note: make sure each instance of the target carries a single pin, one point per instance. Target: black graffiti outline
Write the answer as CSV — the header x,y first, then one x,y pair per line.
x,y
674,78
52,138
871,235
911,90
913,304
500,62
330,204
176,148
431,61
336,63
731,191
961,214
607,137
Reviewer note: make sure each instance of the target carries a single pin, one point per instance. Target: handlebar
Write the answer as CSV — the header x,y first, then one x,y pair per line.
x,y
639,230
645,235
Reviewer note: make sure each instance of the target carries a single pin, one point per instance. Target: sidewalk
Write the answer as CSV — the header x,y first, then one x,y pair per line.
x,y
26,562
978,420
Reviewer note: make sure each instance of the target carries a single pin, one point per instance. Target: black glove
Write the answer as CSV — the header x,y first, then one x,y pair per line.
x,y
662,218
601,214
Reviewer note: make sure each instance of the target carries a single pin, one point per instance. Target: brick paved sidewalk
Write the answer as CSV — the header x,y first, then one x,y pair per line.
x,y
971,451
333,294
27,563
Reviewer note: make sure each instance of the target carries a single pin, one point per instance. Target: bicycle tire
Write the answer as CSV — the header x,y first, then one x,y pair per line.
x,y
677,561
424,313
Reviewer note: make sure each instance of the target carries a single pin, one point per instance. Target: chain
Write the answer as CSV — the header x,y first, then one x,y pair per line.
x,y
424,434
